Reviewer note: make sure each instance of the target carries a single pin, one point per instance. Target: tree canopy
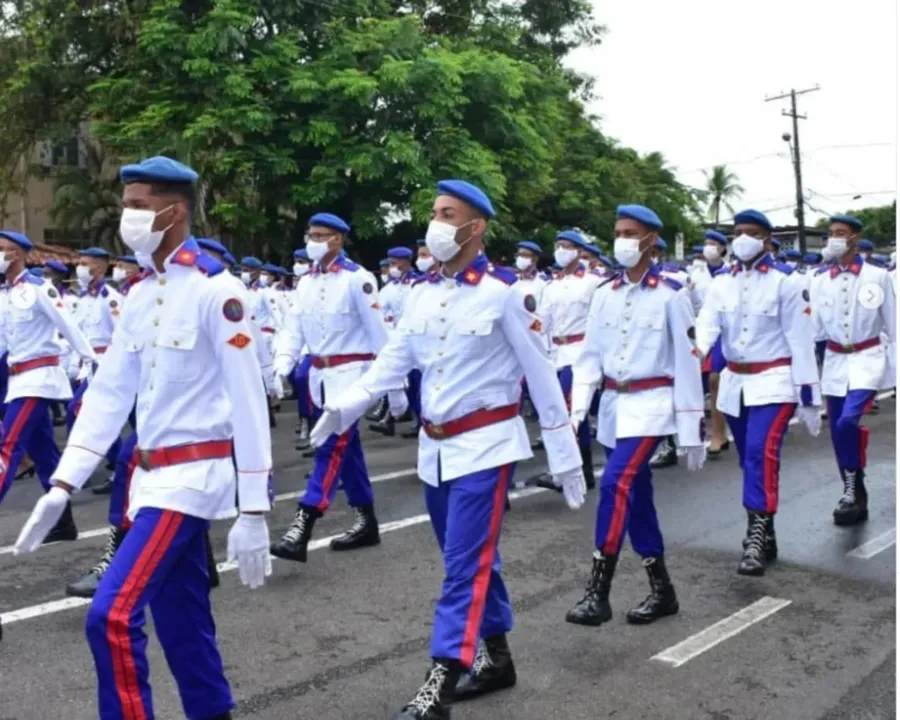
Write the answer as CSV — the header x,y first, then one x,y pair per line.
x,y
879,223
356,107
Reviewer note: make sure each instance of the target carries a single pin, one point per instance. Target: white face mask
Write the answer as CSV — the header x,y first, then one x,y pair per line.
x,y
136,229
864,255
746,247
627,251
837,247
83,273
300,269
523,263
119,274
424,264
245,278
316,250
792,263
441,240
698,263
4,263
893,257
565,256
265,281
395,273
712,254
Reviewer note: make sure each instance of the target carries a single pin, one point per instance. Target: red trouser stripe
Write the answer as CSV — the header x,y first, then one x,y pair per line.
x,y
333,469
483,571
117,627
623,492
9,442
772,455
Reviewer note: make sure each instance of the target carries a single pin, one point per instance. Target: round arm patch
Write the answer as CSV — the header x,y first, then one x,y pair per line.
x,y
233,310
530,303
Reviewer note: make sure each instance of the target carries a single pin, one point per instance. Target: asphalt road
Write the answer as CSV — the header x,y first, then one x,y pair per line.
x,y
346,635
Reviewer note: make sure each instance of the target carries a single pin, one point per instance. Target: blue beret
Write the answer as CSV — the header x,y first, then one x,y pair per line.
x,y
573,237
330,221
95,252
593,250
420,242
270,268
853,222
661,244
18,238
644,215
400,253
57,266
696,249
301,254
469,194
252,263
37,271
283,271
793,254
229,258
606,261
531,246
212,245
812,258
383,263
127,259
716,236
752,217
866,245
158,169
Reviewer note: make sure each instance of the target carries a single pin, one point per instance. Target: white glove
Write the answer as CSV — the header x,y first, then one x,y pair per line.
x,y
248,545
695,457
85,371
278,387
573,487
811,416
329,424
46,514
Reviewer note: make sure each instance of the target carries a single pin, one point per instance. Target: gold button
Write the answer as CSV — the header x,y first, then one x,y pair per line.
x,y
162,281
746,330
153,364
444,304
440,370
175,343
154,343
441,353
156,321
151,386
159,301
624,332
443,337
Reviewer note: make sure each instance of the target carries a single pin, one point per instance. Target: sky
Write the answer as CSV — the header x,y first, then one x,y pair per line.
x,y
689,78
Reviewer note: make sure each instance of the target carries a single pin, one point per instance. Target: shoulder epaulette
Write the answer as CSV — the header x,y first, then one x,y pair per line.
x,y
671,267
723,270
349,265
783,267
208,265
671,282
504,275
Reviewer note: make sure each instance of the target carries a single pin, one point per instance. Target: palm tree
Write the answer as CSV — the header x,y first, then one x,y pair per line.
x,y
721,188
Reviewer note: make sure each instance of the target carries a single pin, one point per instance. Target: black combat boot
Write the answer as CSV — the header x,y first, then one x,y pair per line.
x,y
413,432
432,700
104,488
492,670
661,602
665,456
292,545
381,409
302,434
593,608
363,532
86,586
753,560
853,507
222,716
537,443
211,563
770,547
64,529
587,465
386,426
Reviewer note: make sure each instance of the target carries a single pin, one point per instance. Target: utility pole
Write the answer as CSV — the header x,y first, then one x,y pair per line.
x,y
798,177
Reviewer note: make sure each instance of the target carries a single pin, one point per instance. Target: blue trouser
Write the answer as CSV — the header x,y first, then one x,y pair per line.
x,y
4,383
121,483
27,428
300,381
161,563
595,404
584,429
626,499
72,410
759,434
467,514
413,391
339,456
848,437
714,362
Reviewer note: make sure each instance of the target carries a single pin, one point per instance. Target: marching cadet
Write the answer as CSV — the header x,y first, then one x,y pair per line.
x,y
425,262
335,316
715,251
384,267
182,349
473,334
532,283
300,375
566,301
55,273
268,279
640,349
794,259
855,304
866,248
762,313
126,266
34,314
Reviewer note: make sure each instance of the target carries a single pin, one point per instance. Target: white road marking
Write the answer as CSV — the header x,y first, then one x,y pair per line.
x,y
877,544
695,645
57,606
102,532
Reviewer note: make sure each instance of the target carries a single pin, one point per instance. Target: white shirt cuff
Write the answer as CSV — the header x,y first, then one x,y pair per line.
x,y
76,466
253,491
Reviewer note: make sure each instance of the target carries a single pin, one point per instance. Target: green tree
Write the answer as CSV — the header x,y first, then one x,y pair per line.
x,y
879,223
722,187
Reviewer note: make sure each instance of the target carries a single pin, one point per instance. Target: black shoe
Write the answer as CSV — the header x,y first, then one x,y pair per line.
x,y
594,609
715,453
853,507
587,465
661,602
65,529
385,426
381,409
86,586
665,455
546,481
363,533
292,545
272,421
753,561
104,489
308,453
411,434
211,563
875,408
433,698
492,670
302,433
537,444
770,547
